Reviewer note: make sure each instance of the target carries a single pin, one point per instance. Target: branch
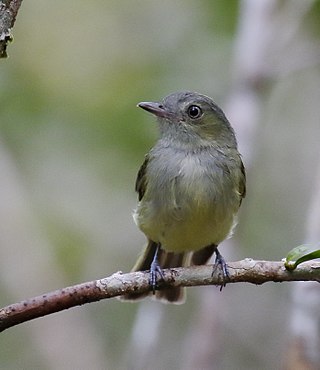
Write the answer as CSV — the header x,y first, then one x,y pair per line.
x,y
246,271
8,13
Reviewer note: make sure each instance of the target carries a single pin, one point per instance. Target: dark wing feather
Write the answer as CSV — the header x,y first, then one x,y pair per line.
x,y
141,182
242,184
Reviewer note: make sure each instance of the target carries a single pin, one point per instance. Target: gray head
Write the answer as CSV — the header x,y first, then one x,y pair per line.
x,y
190,118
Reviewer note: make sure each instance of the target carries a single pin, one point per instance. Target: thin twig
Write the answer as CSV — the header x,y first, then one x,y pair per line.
x,y
248,270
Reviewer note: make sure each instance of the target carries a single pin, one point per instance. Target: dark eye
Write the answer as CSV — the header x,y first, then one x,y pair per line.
x,y
194,111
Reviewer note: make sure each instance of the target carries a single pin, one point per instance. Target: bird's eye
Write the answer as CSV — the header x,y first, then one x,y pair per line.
x,y
194,111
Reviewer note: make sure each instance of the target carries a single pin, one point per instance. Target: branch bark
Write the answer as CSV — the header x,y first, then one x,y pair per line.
x,y
8,13
248,270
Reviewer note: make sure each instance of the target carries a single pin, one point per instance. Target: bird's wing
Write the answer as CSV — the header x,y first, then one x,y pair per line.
x,y
242,183
141,181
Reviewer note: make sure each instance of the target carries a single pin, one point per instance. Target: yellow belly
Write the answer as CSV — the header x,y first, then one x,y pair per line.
x,y
186,230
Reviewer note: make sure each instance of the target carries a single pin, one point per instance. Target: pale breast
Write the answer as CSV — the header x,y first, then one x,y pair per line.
x,y
189,203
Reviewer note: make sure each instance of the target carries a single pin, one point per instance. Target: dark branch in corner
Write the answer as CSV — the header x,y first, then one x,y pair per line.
x,y
248,270
8,13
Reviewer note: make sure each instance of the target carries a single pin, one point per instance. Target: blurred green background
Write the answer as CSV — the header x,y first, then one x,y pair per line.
x,y
71,143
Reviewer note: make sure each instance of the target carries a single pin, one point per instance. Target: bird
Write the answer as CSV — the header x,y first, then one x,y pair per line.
x,y
190,187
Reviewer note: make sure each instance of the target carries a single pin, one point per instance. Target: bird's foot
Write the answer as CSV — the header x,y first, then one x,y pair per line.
x,y
154,270
220,262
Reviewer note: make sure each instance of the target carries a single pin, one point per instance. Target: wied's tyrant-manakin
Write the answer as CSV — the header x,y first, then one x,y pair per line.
x,y
190,188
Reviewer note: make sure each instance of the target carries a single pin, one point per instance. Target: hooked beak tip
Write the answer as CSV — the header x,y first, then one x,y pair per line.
x,y
155,108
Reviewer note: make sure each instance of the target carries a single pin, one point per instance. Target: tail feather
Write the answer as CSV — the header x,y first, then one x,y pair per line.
x,y
145,259
202,256
173,295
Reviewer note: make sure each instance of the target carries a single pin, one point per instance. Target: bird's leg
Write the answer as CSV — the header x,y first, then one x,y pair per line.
x,y
220,261
154,269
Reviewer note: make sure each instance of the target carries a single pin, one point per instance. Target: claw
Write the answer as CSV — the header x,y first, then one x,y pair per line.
x,y
220,261
154,269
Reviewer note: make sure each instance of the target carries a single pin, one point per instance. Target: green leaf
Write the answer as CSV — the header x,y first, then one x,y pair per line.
x,y
302,253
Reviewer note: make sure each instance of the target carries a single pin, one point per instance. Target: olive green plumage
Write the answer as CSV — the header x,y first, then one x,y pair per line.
x,y
190,186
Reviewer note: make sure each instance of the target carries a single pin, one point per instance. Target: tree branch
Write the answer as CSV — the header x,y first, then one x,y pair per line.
x,y
246,271
8,13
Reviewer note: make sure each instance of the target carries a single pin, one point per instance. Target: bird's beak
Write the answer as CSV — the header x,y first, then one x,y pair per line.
x,y
155,108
